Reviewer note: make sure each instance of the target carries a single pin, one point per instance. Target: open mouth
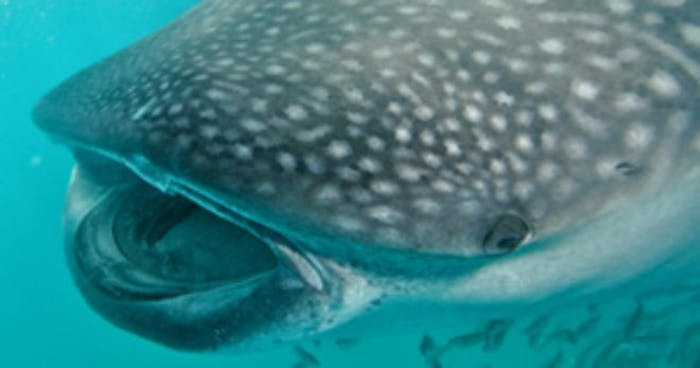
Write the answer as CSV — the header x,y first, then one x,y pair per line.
x,y
162,266
140,243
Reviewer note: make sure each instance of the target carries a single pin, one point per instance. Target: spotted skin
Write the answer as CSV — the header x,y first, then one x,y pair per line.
x,y
358,127
401,124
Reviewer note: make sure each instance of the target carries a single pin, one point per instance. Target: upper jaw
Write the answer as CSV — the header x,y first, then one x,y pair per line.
x,y
201,298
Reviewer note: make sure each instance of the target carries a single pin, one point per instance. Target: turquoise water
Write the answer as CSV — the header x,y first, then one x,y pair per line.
x,y
46,323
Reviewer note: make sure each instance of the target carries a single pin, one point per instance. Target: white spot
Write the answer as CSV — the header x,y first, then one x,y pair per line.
x,y
258,105
287,161
402,135
606,167
442,186
524,117
664,84
207,113
548,112
225,62
620,7
696,142
452,147
460,15
349,224
252,125
175,109
384,214
242,152
504,99
383,53
602,62
384,187
584,89
627,102
427,137
209,131
446,32
276,70
424,112
548,140
575,149
552,46
339,149
508,22
370,165
472,113
408,173
315,48
296,112
328,194
375,143
639,136
432,159
498,167
356,117
481,57
517,65
691,34
536,88
499,123
547,171
523,190
427,206
313,134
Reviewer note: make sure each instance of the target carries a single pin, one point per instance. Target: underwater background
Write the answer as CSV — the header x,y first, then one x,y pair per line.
x,y
45,322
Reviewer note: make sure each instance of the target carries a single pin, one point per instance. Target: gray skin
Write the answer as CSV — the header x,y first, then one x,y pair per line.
x,y
478,154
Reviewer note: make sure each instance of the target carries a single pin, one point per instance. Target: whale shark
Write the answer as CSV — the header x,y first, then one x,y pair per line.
x,y
262,173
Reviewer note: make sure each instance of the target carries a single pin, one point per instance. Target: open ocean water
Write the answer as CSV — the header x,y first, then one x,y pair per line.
x,y
44,321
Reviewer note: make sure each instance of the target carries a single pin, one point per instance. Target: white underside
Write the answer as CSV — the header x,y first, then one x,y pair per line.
x,y
651,244
649,241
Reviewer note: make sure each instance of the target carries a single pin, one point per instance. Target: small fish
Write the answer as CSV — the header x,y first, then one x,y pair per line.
x,y
431,352
427,345
535,330
306,359
587,326
346,342
495,333
635,319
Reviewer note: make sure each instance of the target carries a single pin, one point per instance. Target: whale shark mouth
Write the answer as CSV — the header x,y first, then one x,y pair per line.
x,y
150,245
162,266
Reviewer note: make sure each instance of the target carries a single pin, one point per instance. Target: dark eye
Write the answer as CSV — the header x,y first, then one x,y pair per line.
x,y
506,234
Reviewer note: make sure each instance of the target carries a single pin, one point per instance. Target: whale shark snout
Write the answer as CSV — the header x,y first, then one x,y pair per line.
x,y
263,172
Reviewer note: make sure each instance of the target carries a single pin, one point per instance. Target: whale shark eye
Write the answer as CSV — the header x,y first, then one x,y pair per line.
x,y
507,234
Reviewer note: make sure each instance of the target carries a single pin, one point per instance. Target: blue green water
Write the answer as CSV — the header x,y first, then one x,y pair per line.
x,y
44,320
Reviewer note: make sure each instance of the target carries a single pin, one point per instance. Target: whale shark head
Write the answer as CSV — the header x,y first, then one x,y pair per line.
x,y
261,172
